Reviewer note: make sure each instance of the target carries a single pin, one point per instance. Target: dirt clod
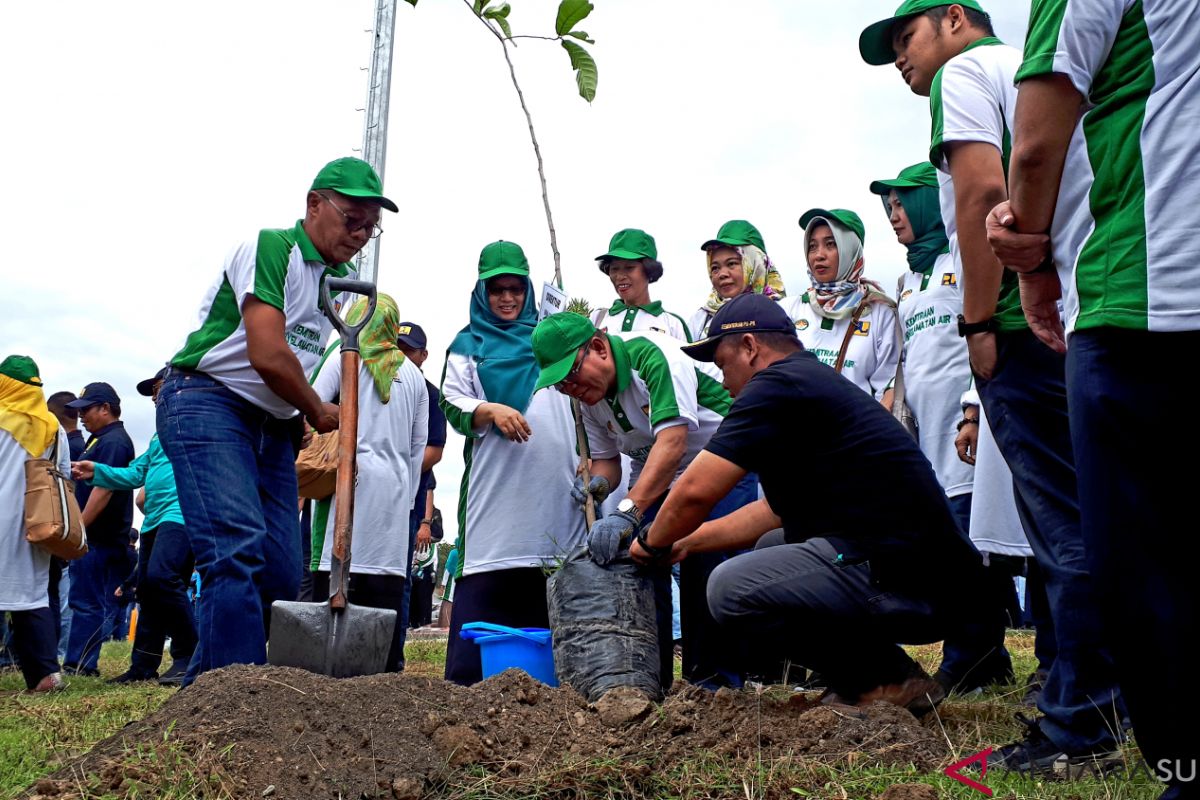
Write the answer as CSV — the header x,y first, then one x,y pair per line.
x,y
622,706
910,791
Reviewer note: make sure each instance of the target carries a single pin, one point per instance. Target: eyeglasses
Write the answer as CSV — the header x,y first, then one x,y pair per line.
x,y
573,375
373,227
501,290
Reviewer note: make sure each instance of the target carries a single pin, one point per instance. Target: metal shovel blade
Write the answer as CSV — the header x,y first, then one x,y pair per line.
x,y
343,644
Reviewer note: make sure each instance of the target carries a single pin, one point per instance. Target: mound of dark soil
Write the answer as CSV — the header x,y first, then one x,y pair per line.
x,y
274,732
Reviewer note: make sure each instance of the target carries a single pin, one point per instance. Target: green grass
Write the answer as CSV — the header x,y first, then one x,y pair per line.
x,y
38,734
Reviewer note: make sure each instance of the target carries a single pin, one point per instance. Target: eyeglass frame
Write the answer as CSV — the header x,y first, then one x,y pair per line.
x,y
375,228
573,373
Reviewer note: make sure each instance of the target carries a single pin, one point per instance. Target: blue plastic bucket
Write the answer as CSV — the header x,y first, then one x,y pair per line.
x,y
502,647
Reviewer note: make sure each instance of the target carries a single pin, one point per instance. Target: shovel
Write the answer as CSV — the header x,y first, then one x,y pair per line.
x,y
336,638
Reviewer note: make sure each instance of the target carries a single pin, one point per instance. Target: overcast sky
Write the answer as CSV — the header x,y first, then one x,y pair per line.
x,y
144,139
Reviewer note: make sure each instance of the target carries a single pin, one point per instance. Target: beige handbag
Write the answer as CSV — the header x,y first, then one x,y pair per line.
x,y
53,521
316,466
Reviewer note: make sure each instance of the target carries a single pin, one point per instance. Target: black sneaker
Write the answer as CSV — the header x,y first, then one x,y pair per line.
x,y
1036,755
1033,688
129,676
175,675
71,669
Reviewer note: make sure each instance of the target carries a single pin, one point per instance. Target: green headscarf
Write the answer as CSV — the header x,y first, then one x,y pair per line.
x,y
925,215
377,342
502,349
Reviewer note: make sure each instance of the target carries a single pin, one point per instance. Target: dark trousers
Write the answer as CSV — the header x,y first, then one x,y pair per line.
x,y
94,609
420,604
372,591
164,569
306,580
236,475
512,597
800,603
34,644
1037,608
1136,490
1026,405
973,654
57,565
414,522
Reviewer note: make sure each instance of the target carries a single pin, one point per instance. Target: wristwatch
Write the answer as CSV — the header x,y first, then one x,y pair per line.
x,y
969,328
651,550
627,506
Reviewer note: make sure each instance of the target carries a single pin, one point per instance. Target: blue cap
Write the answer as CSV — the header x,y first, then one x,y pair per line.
x,y
410,334
746,313
94,394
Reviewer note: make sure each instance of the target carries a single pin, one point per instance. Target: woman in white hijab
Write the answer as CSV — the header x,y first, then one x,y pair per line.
x,y
847,321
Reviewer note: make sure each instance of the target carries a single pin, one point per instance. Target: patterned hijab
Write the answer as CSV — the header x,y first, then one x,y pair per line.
x,y
377,342
758,272
839,298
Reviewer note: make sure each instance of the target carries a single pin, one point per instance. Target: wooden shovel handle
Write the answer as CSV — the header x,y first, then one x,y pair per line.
x,y
343,519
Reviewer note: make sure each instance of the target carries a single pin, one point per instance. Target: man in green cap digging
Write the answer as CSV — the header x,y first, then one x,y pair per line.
x,y
232,407
643,398
947,51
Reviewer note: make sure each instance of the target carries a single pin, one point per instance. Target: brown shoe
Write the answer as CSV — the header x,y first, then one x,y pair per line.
x,y
919,693
51,683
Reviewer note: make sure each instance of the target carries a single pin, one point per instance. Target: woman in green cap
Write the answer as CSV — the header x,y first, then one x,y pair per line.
x,y
936,376
27,430
518,445
847,321
393,424
632,264
737,263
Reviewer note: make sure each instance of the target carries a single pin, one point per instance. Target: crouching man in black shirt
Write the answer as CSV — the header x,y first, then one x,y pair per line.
x,y
869,554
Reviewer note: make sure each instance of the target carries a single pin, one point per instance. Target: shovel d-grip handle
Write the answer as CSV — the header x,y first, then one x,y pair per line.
x,y
343,520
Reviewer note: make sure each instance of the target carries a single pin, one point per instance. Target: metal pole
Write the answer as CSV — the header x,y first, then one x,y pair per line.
x,y
374,149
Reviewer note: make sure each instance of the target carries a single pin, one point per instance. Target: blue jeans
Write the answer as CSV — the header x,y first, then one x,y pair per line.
x,y
94,609
235,473
164,566
1136,483
1026,405
973,654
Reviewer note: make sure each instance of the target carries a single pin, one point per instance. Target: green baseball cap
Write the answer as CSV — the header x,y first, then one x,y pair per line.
x,y
632,244
352,177
846,218
736,233
556,341
502,258
21,368
913,177
875,42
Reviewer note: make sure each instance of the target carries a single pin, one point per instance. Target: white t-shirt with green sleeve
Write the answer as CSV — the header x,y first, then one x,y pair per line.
x,y
936,368
872,354
282,268
658,387
640,319
1126,231
973,99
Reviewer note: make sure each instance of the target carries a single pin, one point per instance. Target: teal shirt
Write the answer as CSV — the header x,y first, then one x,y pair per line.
x,y
151,469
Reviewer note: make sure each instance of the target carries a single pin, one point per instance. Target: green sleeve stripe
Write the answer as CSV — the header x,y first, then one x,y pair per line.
x,y
460,420
1111,273
320,520
334,345
463,489
1041,42
712,395
271,257
687,334
652,366
938,133
223,318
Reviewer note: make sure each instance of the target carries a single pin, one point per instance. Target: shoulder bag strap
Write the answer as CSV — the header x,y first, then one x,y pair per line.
x,y
858,312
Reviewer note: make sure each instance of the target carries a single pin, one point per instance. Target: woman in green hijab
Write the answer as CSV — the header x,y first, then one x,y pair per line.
x,y
393,424
515,514
936,374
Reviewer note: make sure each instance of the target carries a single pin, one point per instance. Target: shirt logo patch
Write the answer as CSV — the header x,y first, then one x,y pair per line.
x,y
949,279
905,295
862,327
801,324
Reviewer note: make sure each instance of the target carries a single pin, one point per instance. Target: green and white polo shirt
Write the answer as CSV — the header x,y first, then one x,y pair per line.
x,y
1126,229
658,387
871,355
936,368
283,269
643,318
973,99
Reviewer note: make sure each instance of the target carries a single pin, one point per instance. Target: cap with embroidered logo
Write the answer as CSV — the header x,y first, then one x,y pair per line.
x,y
94,394
746,313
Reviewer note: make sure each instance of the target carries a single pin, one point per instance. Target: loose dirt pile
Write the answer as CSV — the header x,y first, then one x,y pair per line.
x,y
274,732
